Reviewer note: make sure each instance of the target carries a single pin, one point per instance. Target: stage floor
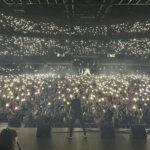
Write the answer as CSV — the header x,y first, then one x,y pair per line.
x,y
59,141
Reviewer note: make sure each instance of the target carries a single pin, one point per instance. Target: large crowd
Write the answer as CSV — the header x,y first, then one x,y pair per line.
x,y
30,96
29,46
28,25
26,45
28,93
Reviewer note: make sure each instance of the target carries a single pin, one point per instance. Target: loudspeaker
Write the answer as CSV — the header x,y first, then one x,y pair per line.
x,y
107,131
14,122
43,131
138,131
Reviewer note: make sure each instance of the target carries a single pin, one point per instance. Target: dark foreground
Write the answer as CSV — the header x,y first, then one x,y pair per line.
x,y
59,141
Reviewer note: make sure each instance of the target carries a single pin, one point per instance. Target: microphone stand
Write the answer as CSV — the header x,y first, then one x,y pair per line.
x,y
19,146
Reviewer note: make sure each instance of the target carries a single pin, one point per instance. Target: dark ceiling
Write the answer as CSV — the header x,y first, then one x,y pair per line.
x,y
81,11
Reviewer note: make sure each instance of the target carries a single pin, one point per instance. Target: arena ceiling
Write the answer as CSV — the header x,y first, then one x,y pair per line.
x,y
92,11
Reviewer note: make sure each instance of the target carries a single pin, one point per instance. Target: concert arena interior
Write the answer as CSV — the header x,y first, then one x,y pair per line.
x,y
74,74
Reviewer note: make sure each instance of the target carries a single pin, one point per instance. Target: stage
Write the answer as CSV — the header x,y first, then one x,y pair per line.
x,y
59,141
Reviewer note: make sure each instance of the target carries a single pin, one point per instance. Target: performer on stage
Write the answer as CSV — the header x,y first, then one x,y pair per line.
x,y
76,113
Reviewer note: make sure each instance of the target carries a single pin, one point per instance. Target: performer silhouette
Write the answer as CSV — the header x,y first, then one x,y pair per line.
x,y
76,113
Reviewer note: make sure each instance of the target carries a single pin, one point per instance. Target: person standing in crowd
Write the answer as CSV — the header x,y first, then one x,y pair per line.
x,y
76,113
108,116
8,139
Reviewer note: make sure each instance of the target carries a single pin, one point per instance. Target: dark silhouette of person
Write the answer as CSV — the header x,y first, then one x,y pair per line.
x,y
8,139
76,113
108,116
